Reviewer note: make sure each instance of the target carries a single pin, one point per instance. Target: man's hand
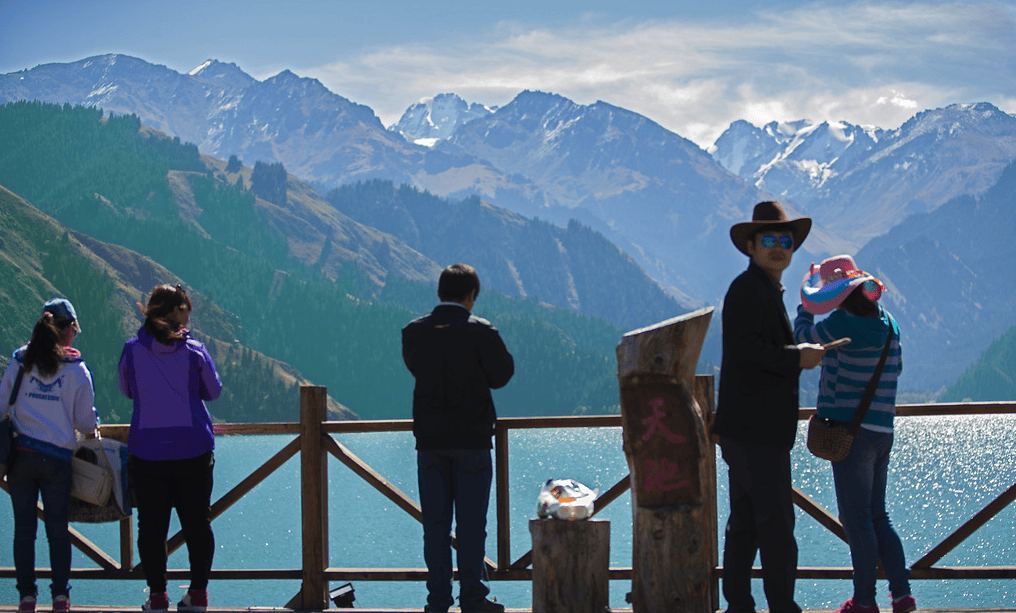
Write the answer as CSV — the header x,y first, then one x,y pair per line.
x,y
811,355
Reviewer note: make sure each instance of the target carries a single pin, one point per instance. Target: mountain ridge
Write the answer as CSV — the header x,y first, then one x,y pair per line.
x,y
668,211
878,177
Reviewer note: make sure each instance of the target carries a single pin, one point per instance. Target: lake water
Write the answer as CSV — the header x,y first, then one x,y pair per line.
x,y
943,470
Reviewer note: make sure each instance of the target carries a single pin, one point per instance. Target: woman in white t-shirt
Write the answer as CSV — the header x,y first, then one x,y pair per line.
x,y
54,397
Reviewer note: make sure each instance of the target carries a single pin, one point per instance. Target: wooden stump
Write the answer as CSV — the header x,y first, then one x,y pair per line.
x,y
571,560
671,553
671,462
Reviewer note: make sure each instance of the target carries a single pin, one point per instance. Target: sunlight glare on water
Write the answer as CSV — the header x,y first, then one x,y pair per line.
x,y
943,471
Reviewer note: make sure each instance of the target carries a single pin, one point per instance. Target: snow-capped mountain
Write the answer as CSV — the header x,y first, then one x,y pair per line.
x,y
656,194
859,181
433,119
612,169
314,132
791,158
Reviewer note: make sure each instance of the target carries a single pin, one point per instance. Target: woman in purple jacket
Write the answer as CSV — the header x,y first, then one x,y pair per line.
x,y
169,375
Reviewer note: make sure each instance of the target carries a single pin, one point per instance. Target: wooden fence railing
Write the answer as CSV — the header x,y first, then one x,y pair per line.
x,y
313,441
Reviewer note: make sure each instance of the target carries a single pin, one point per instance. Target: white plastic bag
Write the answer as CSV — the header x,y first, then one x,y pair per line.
x,y
565,499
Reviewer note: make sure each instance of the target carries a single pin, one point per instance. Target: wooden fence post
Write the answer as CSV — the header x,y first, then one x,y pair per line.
x,y
314,499
670,458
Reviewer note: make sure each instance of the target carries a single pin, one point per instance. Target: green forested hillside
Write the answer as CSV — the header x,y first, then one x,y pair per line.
x,y
107,177
40,259
992,377
59,270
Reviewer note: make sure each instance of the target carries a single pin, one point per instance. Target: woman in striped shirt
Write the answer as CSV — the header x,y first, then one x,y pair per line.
x,y
851,295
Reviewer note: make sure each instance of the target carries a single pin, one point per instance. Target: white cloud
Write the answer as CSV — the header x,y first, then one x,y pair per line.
x,y
897,99
871,63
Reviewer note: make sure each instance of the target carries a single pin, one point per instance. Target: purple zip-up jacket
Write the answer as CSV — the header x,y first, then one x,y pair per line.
x,y
169,385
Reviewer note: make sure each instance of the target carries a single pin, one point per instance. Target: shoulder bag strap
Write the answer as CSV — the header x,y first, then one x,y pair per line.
x,y
869,392
17,386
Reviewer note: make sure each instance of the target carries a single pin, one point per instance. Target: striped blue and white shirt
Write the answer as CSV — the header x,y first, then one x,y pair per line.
x,y
846,371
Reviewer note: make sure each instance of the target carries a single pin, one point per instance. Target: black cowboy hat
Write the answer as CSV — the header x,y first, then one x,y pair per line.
x,y
769,214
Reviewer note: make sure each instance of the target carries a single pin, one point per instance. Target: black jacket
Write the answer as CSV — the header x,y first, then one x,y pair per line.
x,y
760,368
456,358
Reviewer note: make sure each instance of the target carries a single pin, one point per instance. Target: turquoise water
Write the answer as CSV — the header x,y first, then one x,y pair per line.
x,y
944,470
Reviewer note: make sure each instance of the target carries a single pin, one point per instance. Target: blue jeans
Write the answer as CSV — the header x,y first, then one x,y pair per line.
x,y
860,494
32,474
456,479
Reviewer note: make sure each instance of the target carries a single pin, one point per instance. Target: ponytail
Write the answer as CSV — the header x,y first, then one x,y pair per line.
x,y
45,350
162,301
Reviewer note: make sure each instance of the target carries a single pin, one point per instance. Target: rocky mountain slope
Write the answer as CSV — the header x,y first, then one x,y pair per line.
x,y
437,118
653,193
317,134
951,281
862,181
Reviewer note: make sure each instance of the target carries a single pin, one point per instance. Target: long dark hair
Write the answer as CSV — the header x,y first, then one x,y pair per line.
x,y
46,350
856,304
161,302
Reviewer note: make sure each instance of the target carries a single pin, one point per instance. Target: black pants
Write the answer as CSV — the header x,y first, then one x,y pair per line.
x,y
761,521
161,486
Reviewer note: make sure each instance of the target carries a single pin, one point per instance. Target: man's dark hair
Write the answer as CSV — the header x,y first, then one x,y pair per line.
x,y
456,282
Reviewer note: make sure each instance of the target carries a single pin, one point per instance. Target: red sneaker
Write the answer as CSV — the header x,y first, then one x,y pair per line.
x,y
194,600
904,605
157,601
852,607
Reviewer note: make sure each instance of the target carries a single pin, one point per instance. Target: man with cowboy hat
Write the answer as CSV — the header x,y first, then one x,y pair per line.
x,y
756,413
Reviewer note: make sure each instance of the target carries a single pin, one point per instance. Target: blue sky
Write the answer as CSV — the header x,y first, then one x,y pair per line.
x,y
692,66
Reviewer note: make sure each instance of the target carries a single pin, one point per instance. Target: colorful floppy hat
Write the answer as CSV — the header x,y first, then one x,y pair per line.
x,y
826,285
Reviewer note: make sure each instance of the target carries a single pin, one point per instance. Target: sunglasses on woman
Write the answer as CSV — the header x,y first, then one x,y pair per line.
x,y
769,241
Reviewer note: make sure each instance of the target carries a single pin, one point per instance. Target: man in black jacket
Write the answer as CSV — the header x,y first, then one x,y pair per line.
x,y
756,413
456,358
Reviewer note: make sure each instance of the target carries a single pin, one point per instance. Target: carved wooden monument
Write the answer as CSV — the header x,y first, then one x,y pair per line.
x,y
672,466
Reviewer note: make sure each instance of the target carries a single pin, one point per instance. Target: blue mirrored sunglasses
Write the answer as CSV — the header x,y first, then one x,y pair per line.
x,y
769,241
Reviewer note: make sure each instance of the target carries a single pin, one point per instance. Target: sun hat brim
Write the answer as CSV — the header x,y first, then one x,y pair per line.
x,y
740,233
820,298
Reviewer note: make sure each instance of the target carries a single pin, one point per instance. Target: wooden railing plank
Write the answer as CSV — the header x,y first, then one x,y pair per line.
x,y
502,496
612,494
314,498
87,547
126,543
982,517
518,570
372,477
821,515
232,496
